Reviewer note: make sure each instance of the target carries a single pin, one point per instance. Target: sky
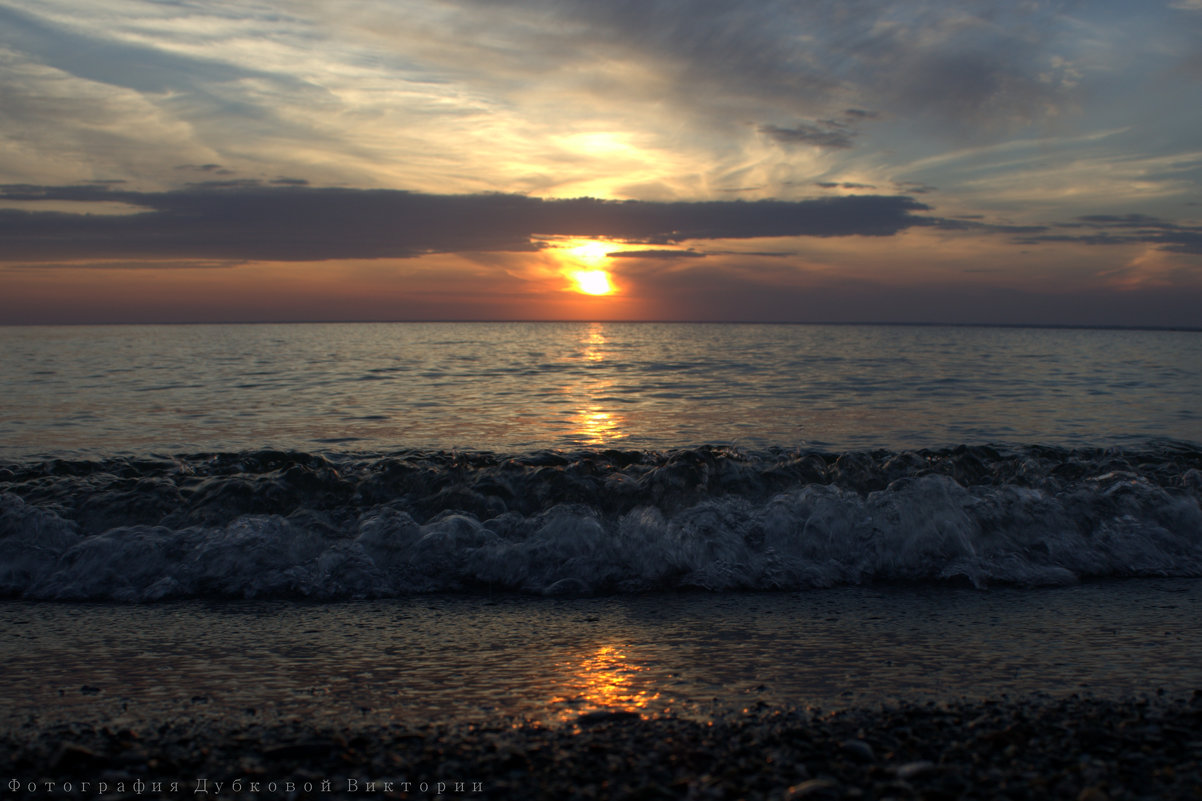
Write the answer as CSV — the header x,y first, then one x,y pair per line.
x,y
824,161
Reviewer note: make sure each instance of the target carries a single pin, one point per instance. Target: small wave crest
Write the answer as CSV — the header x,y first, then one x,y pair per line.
x,y
267,524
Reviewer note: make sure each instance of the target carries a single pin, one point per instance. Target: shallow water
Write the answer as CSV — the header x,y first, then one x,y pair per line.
x,y
461,659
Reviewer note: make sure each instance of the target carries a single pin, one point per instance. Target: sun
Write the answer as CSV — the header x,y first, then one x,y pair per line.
x,y
593,282
584,262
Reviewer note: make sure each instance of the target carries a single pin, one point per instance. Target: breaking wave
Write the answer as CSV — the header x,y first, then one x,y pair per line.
x,y
264,524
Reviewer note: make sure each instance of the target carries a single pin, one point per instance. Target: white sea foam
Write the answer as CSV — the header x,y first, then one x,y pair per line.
x,y
293,525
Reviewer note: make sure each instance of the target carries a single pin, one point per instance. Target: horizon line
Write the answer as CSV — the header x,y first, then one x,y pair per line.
x,y
485,321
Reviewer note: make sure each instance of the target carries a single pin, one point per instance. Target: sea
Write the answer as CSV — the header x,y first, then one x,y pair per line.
x,y
454,522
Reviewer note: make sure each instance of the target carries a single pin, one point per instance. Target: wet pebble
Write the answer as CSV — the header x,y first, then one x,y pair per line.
x,y
912,770
858,750
814,788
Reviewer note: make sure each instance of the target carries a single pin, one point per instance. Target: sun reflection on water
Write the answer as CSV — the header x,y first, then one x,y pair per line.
x,y
605,679
594,422
594,342
595,427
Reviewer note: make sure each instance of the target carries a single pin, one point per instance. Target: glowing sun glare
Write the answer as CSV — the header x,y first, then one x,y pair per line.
x,y
591,253
584,263
593,282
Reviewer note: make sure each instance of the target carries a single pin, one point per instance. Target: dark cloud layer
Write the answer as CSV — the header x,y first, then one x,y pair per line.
x,y
842,185
656,254
826,134
836,134
1127,229
243,220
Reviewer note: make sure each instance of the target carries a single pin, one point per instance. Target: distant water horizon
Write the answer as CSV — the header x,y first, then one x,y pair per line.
x,y
608,321
522,386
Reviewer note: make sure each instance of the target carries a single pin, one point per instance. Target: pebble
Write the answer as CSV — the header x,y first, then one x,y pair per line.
x,y
71,756
814,788
912,770
1093,794
858,750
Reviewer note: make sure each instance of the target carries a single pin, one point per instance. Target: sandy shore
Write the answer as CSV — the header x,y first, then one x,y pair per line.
x,y
1039,748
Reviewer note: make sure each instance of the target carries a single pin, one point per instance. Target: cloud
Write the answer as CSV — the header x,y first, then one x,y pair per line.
x,y
214,169
656,254
913,188
972,223
1128,229
1121,221
968,65
185,264
101,60
835,134
842,185
826,134
1182,242
254,221
682,80
135,90
478,95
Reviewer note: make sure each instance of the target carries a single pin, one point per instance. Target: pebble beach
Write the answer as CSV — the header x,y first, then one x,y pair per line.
x,y
1039,747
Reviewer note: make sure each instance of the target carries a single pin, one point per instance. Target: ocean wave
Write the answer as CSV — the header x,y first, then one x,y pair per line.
x,y
268,524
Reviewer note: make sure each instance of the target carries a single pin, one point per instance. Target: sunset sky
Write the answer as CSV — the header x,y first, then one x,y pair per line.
x,y
964,162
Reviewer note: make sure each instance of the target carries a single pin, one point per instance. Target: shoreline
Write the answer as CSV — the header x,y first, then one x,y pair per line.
x,y
454,659
1037,746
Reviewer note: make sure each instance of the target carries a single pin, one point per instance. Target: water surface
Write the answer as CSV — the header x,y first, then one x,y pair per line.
x,y
455,659
516,387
